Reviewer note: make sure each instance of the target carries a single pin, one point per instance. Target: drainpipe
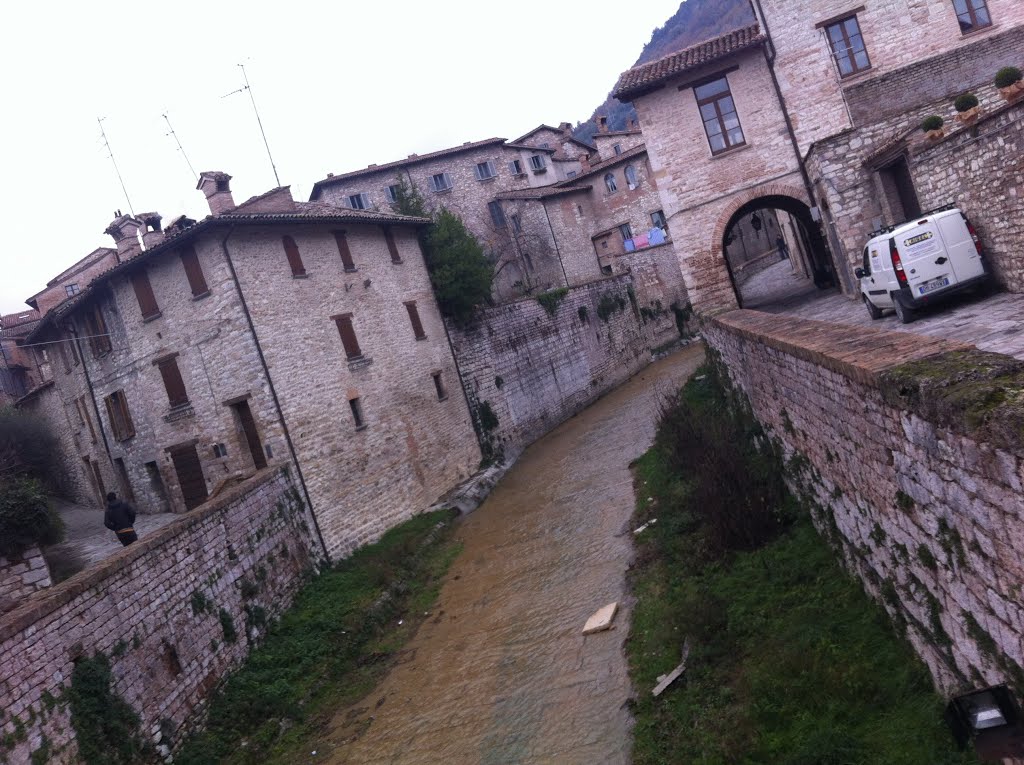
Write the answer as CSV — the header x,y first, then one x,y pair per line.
x,y
273,391
92,393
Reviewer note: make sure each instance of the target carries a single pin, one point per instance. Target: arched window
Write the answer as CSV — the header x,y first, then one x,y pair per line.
x,y
631,177
609,182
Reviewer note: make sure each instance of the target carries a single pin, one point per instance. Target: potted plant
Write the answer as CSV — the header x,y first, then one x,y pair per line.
x,y
932,127
967,108
1008,80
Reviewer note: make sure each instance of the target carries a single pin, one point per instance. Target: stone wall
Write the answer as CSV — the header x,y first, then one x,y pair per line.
x,y
532,370
162,611
21,575
915,474
981,170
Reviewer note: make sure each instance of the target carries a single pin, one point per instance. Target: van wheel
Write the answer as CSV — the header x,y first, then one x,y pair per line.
x,y
904,314
873,310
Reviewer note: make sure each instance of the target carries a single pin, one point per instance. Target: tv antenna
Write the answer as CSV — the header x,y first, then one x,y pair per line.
x,y
110,153
247,87
180,147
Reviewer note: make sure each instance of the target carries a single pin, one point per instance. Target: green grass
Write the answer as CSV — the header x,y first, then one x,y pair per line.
x,y
328,650
790,661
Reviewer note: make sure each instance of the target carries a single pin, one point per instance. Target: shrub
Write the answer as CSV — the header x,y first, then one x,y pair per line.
x,y
1007,76
934,122
459,271
26,517
549,300
965,102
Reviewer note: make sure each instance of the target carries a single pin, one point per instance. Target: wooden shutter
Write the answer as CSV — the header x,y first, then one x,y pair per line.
x,y
343,250
348,335
414,318
173,384
194,271
294,259
120,418
389,237
99,338
144,294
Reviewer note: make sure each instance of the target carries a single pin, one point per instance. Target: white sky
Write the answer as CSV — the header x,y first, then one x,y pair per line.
x,y
339,85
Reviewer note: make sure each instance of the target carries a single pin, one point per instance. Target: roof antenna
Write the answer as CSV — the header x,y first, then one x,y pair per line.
x,y
116,170
258,120
180,147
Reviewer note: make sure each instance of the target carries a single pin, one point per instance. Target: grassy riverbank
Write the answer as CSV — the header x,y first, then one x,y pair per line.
x,y
329,649
790,662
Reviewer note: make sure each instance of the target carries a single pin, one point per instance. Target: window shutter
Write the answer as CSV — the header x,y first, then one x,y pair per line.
x,y
144,294
348,335
389,237
194,271
294,259
173,384
96,327
346,254
414,318
126,417
112,416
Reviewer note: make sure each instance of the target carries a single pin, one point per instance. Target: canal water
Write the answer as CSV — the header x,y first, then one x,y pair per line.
x,y
500,672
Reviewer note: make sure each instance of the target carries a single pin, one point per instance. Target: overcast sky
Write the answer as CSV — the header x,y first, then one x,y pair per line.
x,y
339,85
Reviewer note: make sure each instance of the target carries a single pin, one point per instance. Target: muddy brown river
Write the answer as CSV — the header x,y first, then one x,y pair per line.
x,y
501,673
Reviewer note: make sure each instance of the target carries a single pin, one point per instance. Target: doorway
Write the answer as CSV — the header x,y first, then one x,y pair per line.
x,y
250,435
898,192
190,474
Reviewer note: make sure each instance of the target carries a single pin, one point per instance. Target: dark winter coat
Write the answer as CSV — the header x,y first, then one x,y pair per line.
x,y
119,515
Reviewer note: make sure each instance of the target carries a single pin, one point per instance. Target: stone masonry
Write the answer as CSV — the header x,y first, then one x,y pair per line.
x,y
21,575
173,612
925,508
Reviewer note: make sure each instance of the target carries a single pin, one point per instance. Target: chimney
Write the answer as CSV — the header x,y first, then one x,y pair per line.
x,y
584,163
216,185
602,124
152,233
124,230
565,127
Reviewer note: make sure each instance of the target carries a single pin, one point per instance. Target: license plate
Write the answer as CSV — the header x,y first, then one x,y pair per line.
x,y
934,284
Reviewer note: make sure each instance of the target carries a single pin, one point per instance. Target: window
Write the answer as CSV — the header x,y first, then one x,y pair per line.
x,y
442,394
348,335
357,413
389,237
626,230
144,294
414,319
537,162
497,214
718,111
848,46
485,170
631,177
96,331
346,255
294,258
194,272
440,182
359,201
173,384
545,145
120,418
658,220
972,14
517,225
85,417
571,174
609,182
515,167
617,148
391,192
71,289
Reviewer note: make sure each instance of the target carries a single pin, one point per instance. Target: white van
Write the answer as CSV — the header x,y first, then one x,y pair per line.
x,y
916,263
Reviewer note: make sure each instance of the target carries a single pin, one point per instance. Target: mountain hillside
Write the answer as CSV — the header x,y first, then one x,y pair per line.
x,y
695,21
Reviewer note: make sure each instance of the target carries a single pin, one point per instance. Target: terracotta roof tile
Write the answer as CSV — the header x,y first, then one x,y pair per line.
x,y
541,192
647,77
636,151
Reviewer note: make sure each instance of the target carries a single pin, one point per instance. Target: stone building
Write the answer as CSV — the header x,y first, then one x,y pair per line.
x,y
815,110
19,366
269,330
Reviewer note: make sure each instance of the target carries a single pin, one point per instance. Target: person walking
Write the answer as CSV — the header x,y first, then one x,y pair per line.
x,y
119,518
783,248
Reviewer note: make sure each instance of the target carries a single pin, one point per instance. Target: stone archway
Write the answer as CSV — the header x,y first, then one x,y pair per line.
x,y
810,242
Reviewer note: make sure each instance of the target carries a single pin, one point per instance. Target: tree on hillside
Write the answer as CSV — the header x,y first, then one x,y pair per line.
x,y
27,449
460,272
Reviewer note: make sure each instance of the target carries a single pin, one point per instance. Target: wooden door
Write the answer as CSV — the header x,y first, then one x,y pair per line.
x,y
190,474
252,436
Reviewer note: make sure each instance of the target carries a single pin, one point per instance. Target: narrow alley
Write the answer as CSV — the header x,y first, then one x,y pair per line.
x,y
501,673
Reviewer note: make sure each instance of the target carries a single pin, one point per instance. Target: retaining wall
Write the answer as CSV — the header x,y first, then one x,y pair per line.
x,y
158,610
531,370
914,470
21,575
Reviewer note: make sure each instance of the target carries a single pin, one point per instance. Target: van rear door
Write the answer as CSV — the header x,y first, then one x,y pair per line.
x,y
925,260
963,253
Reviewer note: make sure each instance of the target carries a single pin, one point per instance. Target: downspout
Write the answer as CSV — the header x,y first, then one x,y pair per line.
x,y
555,240
273,390
92,392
